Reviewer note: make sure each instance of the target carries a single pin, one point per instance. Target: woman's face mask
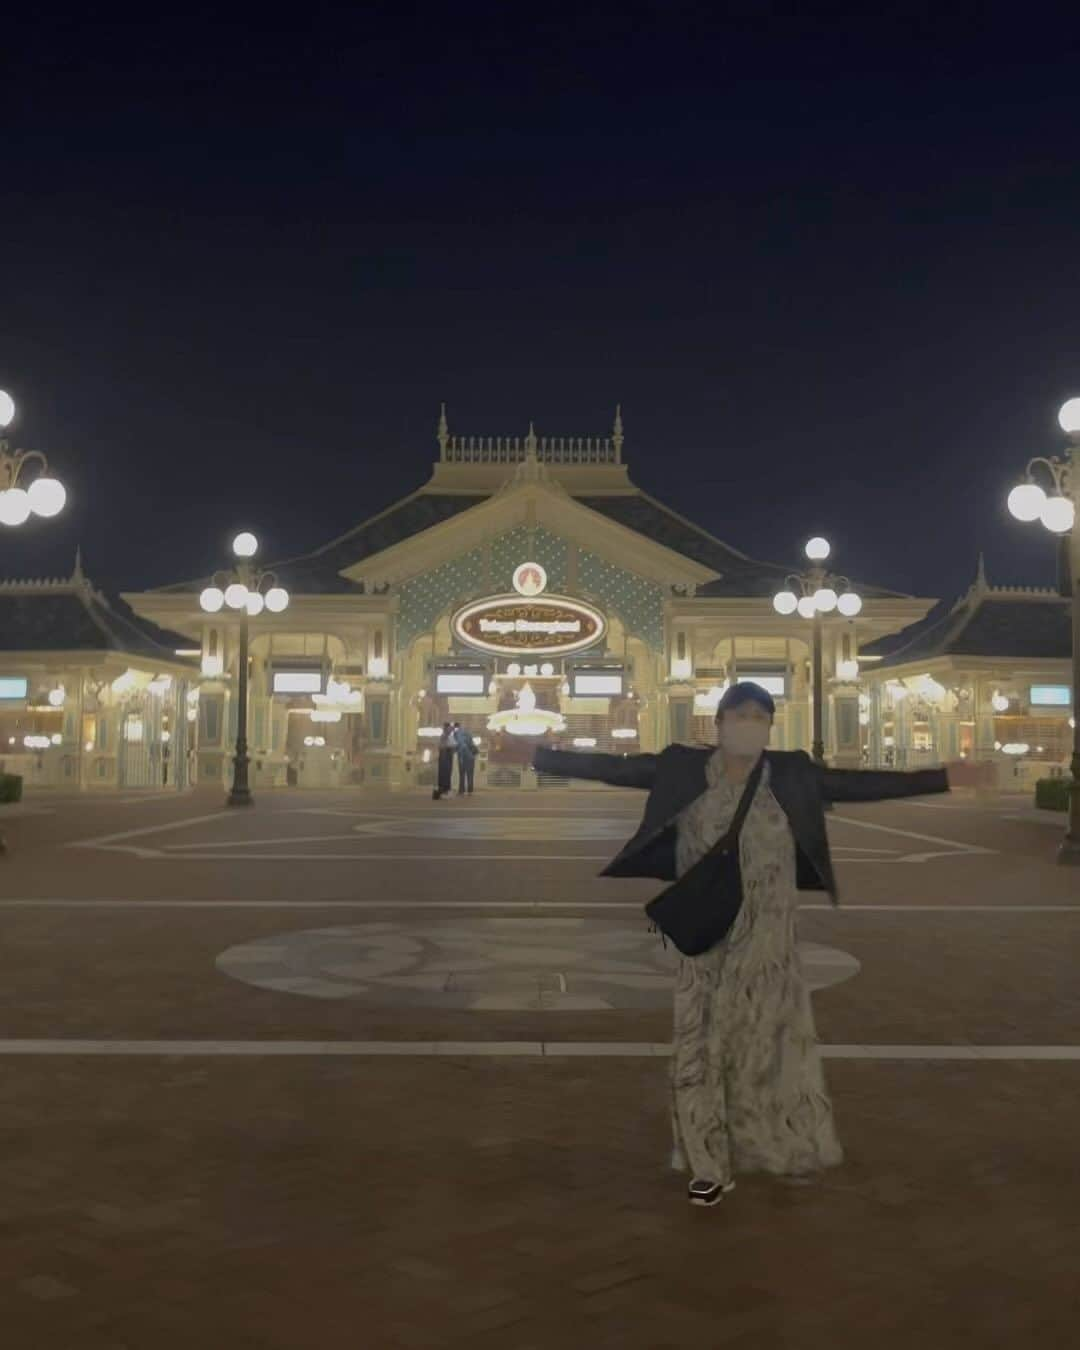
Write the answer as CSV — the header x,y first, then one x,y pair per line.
x,y
744,736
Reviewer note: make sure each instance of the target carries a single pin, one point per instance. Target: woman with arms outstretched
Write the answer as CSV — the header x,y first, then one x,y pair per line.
x,y
748,1091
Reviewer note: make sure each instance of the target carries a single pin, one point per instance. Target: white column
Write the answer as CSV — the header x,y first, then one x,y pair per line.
x,y
947,736
984,720
845,744
877,758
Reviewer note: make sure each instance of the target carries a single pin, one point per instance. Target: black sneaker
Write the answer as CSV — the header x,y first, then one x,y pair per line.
x,y
708,1192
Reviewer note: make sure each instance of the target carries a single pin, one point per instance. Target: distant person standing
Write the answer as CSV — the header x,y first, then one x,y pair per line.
x,y
466,753
447,751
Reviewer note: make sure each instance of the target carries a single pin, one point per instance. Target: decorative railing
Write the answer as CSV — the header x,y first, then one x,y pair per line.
x,y
515,449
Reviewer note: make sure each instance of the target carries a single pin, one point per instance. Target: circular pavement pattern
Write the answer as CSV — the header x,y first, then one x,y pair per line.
x,y
494,965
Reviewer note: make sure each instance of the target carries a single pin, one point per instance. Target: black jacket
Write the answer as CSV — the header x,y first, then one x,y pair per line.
x,y
676,776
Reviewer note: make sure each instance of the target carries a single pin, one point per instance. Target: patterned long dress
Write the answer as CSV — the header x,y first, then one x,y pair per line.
x,y
748,1091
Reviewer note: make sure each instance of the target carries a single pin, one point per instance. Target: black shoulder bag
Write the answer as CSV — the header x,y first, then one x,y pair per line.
x,y
698,910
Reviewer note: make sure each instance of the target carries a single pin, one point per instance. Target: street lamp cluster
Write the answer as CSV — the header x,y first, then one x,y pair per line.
x,y
19,500
813,594
43,496
1057,510
244,589
816,590
247,590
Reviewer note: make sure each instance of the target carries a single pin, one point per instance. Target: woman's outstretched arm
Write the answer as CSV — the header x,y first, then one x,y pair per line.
x,y
879,785
633,771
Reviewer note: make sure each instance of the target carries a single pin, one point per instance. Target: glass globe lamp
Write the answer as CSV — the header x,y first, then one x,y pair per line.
x,y
211,599
1069,417
849,604
818,549
255,603
7,408
14,506
825,599
806,607
785,602
1058,514
277,599
46,496
236,595
1027,501
245,545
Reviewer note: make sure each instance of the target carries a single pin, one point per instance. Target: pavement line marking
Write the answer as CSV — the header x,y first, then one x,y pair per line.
x,y
487,814
105,839
534,1049
219,853
109,842
46,903
955,845
262,843
969,805
361,856
362,838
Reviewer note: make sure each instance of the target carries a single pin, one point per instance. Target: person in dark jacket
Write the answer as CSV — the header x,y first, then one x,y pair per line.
x,y
445,767
466,756
747,1087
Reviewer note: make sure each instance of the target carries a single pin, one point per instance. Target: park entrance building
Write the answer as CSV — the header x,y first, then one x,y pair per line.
x,y
532,592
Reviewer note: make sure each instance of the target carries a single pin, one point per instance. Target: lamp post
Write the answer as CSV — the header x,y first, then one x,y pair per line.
x,y
1057,511
19,500
813,594
44,496
249,591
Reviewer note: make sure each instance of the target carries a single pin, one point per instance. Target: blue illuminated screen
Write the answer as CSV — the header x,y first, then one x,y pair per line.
x,y
1050,695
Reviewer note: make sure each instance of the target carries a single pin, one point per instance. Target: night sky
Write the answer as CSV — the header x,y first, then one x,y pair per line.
x,y
829,266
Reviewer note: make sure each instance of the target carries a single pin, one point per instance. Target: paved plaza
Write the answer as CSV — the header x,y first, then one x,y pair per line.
x,y
360,1070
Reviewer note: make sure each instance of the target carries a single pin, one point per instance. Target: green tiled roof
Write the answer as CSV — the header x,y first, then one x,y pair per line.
x,y
992,625
319,573
71,616
739,575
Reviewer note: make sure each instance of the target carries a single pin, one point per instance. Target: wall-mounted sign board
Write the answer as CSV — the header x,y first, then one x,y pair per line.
x,y
514,626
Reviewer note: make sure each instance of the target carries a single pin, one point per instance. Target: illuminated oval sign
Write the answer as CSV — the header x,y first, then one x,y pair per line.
x,y
507,625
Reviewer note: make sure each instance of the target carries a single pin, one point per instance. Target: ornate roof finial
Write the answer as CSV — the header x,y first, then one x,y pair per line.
x,y
444,430
530,443
980,576
617,433
78,574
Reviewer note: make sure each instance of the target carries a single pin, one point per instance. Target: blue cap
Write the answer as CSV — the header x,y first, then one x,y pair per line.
x,y
746,691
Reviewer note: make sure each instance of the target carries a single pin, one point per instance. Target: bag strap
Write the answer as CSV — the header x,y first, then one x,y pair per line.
x,y
735,828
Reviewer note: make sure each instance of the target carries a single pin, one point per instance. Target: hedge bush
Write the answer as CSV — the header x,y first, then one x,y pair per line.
x,y
1052,794
10,787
